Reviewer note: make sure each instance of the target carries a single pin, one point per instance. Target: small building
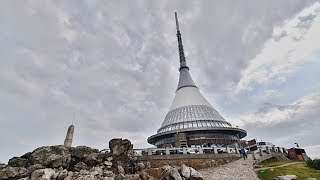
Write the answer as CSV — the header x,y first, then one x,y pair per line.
x,y
297,154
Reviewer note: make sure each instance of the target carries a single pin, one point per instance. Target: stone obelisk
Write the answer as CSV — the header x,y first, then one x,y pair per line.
x,y
69,136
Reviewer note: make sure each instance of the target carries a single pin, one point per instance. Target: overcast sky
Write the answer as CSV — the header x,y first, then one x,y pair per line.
x,y
115,65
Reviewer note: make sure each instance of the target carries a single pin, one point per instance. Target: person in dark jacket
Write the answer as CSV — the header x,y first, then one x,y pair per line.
x,y
243,152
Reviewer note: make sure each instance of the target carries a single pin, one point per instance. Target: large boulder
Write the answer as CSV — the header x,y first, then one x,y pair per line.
x,y
18,162
51,156
13,172
120,146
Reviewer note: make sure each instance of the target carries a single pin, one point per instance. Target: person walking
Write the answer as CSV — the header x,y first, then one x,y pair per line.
x,y
243,152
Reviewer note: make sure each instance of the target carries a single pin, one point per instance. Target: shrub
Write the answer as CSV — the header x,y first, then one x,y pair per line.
x,y
314,163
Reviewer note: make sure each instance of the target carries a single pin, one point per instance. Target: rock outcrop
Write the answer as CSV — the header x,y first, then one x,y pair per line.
x,y
120,146
51,156
82,162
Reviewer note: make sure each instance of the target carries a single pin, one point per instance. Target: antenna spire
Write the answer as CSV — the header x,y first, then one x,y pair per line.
x,y
183,63
73,119
177,22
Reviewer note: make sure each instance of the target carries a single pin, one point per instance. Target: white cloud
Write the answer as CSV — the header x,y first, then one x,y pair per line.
x,y
271,115
292,45
285,124
267,96
313,151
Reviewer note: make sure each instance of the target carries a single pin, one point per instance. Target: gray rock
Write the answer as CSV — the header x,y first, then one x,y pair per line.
x,y
81,152
26,155
107,163
119,147
141,166
145,176
132,177
13,172
80,166
107,178
62,174
185,171
110,158
148,165
26,178
93,159
120,169
287,177
2,165
194,173
51,156
43,174
107,173
120,177
18,162
96,171
35,167
170,173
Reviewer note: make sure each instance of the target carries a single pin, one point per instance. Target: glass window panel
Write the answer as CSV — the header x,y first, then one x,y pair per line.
x,y
190,125
198,123
181,125
194,124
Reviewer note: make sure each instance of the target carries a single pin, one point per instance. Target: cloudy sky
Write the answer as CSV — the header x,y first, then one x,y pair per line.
x,y
114,64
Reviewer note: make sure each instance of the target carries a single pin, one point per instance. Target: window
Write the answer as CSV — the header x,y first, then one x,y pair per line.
x,y
194,124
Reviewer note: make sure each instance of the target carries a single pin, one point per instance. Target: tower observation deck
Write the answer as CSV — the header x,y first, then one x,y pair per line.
x,y
191,117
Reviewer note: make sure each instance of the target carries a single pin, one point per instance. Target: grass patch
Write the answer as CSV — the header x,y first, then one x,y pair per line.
x,y
301,170
272,162
314,163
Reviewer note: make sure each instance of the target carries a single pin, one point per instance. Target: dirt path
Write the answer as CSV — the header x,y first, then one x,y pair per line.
x,y
240,170
282,165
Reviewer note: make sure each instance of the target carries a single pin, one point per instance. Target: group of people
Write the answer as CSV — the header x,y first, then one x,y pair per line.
x,y
243,151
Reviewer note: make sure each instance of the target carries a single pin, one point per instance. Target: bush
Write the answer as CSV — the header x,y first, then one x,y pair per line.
x,y
314,163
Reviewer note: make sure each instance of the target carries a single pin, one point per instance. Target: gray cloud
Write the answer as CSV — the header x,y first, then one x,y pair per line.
x,y
115,64
287,124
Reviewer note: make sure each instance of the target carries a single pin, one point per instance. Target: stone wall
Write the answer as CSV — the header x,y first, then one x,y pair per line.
x,y
197,161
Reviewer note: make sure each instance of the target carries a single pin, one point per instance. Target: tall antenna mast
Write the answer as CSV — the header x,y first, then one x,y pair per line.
x,y
73,118
177,22
183,63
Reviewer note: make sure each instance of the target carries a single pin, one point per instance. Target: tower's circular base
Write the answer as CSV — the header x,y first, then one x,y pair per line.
x,y
201,137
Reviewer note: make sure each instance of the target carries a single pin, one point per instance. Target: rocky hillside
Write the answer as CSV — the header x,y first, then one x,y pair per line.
x,y
82,162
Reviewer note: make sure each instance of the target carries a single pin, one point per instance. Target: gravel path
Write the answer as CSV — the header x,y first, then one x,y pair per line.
x,y
240,169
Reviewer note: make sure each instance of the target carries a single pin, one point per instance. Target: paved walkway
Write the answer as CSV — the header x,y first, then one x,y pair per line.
x,y
239,170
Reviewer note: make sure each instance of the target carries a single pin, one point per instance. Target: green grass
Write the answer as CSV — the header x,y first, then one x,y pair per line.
x,y
273,162
301,170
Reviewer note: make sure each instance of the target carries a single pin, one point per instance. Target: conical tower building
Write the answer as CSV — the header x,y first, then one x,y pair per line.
x,y
191,120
